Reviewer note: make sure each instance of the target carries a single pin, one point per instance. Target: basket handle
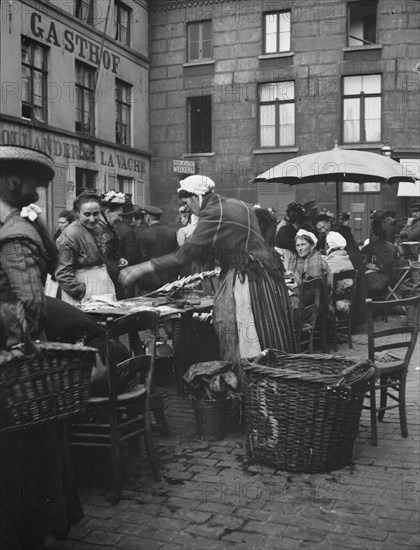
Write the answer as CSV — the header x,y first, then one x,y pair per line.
x,y
349,371
29,346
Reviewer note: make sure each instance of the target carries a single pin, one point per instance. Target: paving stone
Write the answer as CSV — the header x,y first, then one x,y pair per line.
x,y
230,522
184,503
192,516
263,527
207,531
135,543
369,534
103,538
305,533
216,507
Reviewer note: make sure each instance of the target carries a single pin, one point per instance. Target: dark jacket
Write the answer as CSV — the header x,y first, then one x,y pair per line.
x,y
155,241
128,248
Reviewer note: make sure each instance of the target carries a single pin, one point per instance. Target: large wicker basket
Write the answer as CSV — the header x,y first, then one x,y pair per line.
x,y
46,386
302,411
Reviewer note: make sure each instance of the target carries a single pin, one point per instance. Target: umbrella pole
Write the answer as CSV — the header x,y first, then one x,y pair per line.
x,y
337,198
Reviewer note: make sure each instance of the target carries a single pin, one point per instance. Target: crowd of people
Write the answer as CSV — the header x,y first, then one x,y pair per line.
x,y
108,246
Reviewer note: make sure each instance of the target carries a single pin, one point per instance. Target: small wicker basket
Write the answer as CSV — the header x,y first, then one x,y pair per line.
x,y
302,411
46,386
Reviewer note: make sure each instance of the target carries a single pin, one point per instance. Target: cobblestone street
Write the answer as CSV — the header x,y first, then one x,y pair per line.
x,y
212,497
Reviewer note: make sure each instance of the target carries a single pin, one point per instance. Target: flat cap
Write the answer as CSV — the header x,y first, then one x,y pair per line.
x,y
153,211
34,163
129,209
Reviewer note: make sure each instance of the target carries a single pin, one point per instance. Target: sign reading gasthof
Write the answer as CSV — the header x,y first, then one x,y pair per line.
x,y
183,166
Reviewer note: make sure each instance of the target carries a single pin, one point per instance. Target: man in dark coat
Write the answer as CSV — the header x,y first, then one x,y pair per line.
x,y
128,247
156,240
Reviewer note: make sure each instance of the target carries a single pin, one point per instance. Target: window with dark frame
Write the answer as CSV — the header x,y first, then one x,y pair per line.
x,y
33,80
123,112
200,124
362,23
368,187
83,10
122,15
85,99
276,114
125,185
85,179
362,108
199,41
277,32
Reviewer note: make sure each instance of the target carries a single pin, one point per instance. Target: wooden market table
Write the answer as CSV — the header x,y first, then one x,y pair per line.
x,y
181,313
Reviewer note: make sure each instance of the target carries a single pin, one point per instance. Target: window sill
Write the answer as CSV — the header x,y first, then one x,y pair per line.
x,y
370,145
198,63
196,155
276,55
363,48
270,150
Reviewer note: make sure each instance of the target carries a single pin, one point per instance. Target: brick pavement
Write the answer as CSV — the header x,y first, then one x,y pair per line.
x,y
213,498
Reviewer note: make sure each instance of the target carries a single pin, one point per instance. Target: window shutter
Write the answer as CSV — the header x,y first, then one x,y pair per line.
x,y
277,196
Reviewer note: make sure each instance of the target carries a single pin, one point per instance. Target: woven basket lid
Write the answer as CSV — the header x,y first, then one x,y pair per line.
x,y
37,164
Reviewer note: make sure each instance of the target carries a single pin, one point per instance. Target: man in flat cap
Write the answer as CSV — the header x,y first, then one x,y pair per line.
x,y
411,231
156,240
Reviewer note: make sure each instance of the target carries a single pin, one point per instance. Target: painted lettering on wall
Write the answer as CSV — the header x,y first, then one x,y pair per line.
x,y
120,161
73,43
56,147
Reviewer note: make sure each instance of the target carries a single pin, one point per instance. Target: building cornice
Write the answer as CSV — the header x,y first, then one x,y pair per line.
x,y
167,5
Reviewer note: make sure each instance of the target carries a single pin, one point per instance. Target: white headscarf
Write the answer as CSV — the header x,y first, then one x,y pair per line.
x,y
198,184
303,232
336,241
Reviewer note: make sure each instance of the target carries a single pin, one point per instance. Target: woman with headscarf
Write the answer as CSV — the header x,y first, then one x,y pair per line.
x,y
337,258
37,489
338,261
310,263
285,236
81,270
251,307
324,224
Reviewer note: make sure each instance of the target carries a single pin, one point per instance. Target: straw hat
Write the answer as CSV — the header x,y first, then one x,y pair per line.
x,y
35,163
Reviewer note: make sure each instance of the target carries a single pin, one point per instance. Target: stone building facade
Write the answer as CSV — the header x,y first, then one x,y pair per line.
x,y
74,84
238,86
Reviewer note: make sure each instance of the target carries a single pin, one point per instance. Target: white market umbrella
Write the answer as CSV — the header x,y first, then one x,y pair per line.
x,y
337,165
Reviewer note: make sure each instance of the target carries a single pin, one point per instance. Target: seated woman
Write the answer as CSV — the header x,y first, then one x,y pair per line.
x,y
285,237
378,256
338,261
310,263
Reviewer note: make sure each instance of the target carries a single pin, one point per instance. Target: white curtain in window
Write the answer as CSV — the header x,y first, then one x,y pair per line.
x,y
373,118
267,125
351,129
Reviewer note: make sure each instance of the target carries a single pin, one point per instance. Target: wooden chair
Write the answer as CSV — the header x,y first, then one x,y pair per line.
x,y
123,415
308,316
391,350
341,320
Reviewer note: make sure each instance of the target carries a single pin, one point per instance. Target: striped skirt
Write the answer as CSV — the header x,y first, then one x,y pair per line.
x,y
252,314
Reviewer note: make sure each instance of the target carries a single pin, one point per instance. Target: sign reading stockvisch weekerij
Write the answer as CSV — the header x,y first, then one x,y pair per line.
x,y
72,42
183,166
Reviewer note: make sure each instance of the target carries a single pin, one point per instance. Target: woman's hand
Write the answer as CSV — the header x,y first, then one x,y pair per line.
x,y
129,275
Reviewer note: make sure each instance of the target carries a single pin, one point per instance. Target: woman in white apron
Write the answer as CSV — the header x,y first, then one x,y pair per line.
x,y
81,271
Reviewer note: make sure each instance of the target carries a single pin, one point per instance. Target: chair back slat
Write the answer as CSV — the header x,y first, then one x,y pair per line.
x,y
406,331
